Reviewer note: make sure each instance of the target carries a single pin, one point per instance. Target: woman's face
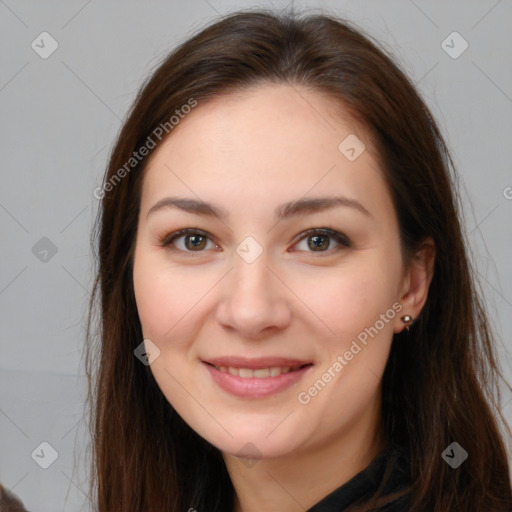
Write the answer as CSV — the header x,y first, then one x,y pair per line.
x,y
299,325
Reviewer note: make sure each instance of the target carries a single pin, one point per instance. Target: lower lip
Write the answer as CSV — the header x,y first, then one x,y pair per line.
x,y
254,387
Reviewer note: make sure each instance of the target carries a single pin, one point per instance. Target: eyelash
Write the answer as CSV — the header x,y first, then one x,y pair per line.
x,y
343,240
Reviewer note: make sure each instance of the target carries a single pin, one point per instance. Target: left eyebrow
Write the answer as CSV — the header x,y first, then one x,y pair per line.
x,y
286,210
315,204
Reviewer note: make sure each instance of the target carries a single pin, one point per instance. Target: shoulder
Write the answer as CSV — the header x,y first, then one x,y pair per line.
x,y
384,486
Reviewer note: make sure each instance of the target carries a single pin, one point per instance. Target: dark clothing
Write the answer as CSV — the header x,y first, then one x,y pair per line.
x,y
394,462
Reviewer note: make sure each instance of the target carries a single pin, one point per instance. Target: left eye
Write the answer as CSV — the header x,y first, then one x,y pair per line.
x,y
317,240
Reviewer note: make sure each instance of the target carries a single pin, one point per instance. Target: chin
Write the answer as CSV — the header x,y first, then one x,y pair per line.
x,y
256,443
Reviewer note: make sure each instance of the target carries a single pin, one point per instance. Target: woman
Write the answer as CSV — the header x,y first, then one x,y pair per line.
x,y
288,317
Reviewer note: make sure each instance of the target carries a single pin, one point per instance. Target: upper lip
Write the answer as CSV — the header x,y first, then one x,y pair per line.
x,y
255,363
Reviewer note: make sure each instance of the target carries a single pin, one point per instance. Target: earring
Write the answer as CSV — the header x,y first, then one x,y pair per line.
x,y
407,319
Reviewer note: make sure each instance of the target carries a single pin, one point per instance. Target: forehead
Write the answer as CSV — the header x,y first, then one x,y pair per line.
x,y
286,121
272,141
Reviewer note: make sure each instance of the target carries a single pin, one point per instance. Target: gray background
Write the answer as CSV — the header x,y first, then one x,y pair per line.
x,y
60,116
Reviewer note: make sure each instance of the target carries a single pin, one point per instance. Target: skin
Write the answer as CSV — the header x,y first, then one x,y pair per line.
x,y
249,153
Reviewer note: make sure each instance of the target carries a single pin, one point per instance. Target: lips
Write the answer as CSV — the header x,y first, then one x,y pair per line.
x,y
255,363
255,378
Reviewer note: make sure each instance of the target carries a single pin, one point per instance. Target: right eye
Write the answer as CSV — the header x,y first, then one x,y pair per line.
x,y
194,240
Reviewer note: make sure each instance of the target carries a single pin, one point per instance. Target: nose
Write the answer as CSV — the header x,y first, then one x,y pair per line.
x,y
254,301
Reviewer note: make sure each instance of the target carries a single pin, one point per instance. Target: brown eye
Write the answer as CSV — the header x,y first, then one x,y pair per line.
x,y
196,242
193,240
320,240
317,240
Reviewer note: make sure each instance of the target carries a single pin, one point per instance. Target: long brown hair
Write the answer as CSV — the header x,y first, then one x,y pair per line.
x,y
441,385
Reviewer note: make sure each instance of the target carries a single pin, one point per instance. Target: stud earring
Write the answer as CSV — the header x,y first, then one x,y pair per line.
x,y
407,319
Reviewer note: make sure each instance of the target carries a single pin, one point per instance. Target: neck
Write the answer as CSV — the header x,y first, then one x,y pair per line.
x,y
298,481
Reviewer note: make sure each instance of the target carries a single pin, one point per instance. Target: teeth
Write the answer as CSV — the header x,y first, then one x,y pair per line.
x,y
274,372
260,373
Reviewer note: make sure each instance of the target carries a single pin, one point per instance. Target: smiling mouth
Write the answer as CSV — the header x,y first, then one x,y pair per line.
x,y
264,377
259,373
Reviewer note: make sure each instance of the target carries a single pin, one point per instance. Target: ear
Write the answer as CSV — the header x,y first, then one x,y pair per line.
x,y
416,282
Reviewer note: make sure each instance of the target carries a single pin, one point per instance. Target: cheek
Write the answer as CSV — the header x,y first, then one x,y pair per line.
x,y
165,305
360,307
347,299
168,297
159,299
